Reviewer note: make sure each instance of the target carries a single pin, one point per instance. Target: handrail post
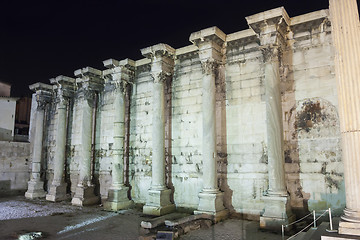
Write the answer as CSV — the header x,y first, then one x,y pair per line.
x,y
330,218
314,219
282,232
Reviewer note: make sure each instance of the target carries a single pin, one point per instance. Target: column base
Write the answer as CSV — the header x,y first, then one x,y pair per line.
x,y
117,199
84,195
211,202
35,190
277,212
158,202
350,223
57,193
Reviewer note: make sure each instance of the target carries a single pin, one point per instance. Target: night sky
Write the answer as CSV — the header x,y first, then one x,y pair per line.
x,y
40,40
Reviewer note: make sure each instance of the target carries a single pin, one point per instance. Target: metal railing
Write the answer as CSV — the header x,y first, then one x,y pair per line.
x,y
312,223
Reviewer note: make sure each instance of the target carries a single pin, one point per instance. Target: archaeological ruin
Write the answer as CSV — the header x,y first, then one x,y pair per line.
x,y
243,123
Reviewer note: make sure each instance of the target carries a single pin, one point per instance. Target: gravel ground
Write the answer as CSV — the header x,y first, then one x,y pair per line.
x,y
19,216
19,207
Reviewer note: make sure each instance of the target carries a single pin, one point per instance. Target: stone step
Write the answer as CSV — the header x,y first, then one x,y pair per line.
x,y
176,222
154,222
299,237
320,231
308,235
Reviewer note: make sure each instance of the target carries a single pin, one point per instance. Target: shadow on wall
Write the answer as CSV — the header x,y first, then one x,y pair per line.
x,y
168,137
221,139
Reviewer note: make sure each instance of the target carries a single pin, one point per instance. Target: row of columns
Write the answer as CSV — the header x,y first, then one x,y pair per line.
x,y
271,29
210,44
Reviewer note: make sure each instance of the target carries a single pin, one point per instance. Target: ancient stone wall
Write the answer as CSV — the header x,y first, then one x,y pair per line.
x,y
314,171
311,123
14,167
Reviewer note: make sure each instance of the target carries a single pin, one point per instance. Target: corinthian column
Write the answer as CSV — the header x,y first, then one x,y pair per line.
x,y
90,82
158,201
36,185
209,42
271,27
346,37
65,87
120,77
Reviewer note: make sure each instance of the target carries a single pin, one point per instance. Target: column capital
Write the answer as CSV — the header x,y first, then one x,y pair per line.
x,y
265,24
64,87
119,73
158,52
162,61
43,94
271,53
210,43
89,78
209,66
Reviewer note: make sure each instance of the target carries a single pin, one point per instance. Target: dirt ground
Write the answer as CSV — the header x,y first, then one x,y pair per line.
x,y
19,216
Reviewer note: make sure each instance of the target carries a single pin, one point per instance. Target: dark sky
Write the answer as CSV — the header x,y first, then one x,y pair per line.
x,y
43,39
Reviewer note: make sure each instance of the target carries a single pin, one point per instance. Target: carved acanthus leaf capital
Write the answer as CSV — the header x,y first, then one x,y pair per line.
x,y
42,101
209,66
161,77
271,53
120,85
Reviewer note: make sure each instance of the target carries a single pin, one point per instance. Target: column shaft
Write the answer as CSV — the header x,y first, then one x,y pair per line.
x,y
36,185
86,136
274,129
38,144
57,191
158,137
119,135
346,38
209,133
59,156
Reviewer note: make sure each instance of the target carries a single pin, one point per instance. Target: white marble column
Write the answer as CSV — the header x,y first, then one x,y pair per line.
x,y
89,82
65,87
271,27
118,192
346,38
210,43
158,201
36,184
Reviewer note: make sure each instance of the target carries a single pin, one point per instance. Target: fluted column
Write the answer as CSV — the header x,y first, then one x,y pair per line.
x,y
346,38
65,88
210,43
158,201
36,184
120,77
272,27
274,128
90,82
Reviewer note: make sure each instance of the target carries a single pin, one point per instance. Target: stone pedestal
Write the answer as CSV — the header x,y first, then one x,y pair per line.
x,y
278,213
158,202
35,189
57,192
346,38
162,57
84,195
117,199
212,203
